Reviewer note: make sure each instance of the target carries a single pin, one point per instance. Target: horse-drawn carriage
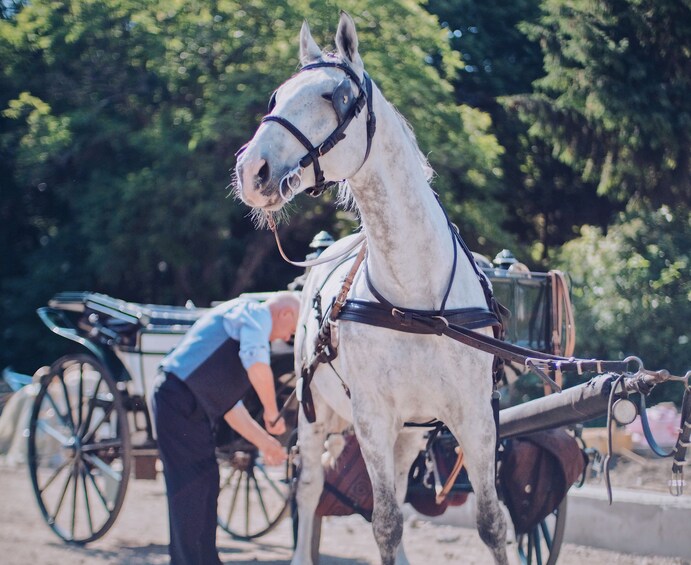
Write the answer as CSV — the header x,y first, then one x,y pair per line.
x,y
91,427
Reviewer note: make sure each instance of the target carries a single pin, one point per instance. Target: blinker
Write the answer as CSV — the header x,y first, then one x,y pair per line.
x,y
342,99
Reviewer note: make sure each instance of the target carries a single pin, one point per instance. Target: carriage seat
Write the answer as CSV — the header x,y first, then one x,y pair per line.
x,y
92,311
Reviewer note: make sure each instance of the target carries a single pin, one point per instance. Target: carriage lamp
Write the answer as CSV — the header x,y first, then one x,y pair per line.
x,y
624,411
321,241
504,259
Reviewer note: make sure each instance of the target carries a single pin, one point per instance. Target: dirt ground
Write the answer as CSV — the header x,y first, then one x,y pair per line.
x,y
139,537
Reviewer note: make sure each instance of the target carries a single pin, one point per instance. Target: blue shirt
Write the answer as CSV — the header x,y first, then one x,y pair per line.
x,y
245,321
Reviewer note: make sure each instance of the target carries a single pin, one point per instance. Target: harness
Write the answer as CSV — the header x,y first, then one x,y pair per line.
x,y
386,315
346,106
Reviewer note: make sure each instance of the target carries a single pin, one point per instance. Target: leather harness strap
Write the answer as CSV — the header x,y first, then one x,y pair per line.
x,y
414,321
326,348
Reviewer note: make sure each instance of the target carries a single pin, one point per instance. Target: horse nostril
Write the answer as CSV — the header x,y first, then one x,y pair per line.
x,y
263,173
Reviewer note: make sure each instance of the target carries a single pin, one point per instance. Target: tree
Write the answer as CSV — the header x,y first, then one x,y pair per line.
x,y
632,289
119,120
544,201
614,101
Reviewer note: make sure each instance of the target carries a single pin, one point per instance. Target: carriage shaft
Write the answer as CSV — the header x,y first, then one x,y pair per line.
x,y
571,406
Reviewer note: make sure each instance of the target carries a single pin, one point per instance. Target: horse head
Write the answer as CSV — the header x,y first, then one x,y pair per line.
x,y
319,127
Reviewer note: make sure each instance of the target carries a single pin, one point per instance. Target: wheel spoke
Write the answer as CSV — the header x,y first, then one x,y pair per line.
x,y
62,417
55,474
530,548
55,434
80,392
103,467
92,404
67,401
226,483
261,500
75,476
538,546
233,502
87,506
62,497
247,506
271,482
114,443
546,534
98,491
89,435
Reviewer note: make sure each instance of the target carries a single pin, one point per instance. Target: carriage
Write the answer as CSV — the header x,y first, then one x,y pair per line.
x,y
91,427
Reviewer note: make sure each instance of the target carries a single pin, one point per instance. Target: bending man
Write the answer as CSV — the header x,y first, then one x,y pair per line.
x,y
204,379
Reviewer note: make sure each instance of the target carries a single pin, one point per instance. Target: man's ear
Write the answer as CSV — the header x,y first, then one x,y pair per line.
x,y
286,313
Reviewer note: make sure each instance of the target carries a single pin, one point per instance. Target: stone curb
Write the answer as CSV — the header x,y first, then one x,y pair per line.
x,y
639,523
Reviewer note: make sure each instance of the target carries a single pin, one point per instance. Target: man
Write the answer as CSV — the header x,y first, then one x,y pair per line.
x,y
204,379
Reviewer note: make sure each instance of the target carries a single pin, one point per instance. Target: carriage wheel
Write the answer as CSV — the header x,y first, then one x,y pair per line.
x,y
79,449
254,497
541,545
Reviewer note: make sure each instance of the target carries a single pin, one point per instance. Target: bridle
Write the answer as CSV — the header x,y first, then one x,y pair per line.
x,y
346,107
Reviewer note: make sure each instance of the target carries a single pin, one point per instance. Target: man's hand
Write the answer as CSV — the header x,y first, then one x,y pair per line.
x,y
274,453
277,428
240,420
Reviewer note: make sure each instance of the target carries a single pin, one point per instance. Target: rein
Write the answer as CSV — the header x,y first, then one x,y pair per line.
x,y
323,258
326,347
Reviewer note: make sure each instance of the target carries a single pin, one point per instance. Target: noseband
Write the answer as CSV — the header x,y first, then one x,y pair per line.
x,y
346,109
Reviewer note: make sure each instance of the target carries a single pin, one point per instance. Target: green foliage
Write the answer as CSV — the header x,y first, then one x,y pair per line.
x,y
540,201
118,124
614,102
498,59
632,288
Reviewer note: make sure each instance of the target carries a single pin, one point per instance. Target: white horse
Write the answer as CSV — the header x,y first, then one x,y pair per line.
x,y
392,377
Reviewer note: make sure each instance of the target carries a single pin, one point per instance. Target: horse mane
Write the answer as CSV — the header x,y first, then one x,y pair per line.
x,y
345,196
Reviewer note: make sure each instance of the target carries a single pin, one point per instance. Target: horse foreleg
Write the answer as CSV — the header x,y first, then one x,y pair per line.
x,y
376,444
407,447
477,438
311,439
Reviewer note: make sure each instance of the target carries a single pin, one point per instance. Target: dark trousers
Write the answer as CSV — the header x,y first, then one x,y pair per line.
x,y
187,450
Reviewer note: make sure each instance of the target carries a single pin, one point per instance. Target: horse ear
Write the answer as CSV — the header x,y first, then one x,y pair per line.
x,y
309,50
347,42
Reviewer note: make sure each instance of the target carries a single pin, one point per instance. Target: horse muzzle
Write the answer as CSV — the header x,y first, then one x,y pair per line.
x,y
254,184
260,185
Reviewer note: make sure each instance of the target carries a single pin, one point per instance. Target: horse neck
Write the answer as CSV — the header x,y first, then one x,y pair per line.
x,y
410,248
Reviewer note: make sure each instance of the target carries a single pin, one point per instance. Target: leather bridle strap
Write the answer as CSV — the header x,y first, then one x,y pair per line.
x,y
313,153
